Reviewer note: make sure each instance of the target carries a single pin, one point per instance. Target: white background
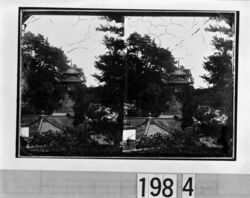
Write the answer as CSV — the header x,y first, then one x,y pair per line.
x,y
8,90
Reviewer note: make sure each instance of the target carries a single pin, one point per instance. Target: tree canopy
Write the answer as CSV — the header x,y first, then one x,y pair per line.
x,y
148,65
220,64
41,64
220,67
134,69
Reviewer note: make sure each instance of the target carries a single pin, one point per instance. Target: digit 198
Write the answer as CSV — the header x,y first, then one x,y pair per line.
x,y
156,185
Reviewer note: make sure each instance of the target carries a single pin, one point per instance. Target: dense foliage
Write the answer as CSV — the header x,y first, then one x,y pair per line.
x,y
147,68
181,143
220,67
79,142
41,65
71,142
133,70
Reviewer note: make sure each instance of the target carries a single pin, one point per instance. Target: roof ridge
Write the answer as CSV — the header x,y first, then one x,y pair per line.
x,y
162,127
44,119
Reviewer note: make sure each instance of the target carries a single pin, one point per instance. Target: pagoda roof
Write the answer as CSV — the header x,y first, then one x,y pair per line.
x,y
72,80
179,82
179,72
72,71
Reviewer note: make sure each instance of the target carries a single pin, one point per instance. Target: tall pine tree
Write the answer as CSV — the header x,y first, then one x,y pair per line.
x,y
220,67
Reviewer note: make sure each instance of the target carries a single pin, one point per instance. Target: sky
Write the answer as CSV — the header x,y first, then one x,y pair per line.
x,y
185,37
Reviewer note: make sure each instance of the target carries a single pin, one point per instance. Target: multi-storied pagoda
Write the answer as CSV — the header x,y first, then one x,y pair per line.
x,y
71,79
62,117
178,80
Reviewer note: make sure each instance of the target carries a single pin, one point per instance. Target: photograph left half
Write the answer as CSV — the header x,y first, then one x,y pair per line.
x,y
66,109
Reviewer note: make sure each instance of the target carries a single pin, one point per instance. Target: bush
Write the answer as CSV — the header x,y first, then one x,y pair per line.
x,y
70,142
180,143
209,121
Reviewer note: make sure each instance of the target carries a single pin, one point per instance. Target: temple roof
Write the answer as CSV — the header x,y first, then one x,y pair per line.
x,y
179,72
34,121
72,76
71,71
69,80
180,76
58,121
147,126
180,81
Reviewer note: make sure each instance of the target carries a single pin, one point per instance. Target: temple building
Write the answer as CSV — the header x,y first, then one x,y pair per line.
x,y
63,117
71,79
178,80
170,119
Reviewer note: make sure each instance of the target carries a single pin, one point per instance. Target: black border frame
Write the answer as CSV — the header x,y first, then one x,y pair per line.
x,y
127,12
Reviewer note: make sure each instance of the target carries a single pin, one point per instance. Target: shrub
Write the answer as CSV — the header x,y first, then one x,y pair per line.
x,y
209,121
70,142
180,143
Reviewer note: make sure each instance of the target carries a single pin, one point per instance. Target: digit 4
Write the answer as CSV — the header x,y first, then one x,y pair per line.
x,y
188,186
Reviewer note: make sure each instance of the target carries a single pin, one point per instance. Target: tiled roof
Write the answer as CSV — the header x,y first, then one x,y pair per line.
x,y
29,120
33,122
61,122
165,124
134,121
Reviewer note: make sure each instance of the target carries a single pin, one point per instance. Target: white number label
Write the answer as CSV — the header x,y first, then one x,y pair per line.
x,y
188,186
156,186
142,185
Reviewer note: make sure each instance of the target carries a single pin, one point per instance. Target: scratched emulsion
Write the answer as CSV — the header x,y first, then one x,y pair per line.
x,y
185,37
171,32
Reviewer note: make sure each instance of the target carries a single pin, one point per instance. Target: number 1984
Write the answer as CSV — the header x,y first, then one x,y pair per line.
x,y
163,185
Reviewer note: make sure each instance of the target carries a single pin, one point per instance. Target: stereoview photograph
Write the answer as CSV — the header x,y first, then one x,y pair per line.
x,y
133,84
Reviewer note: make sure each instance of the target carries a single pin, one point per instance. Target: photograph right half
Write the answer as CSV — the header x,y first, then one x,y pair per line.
x,y
181,87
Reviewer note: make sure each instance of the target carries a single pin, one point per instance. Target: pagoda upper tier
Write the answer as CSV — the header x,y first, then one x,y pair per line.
x,y
181,77
72,76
